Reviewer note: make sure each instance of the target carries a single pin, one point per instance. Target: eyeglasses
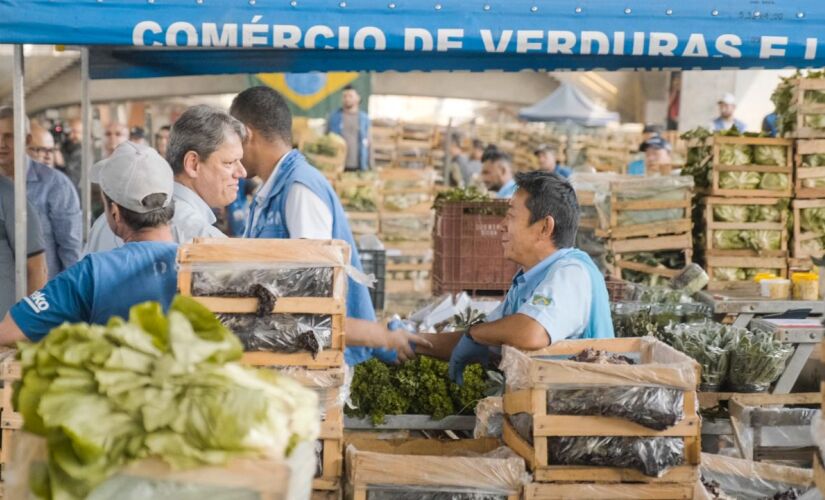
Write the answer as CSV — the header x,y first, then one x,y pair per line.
x,y
42,151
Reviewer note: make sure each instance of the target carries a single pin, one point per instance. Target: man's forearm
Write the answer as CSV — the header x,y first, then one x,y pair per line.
x,y
516,330
10,333
365,333
36,272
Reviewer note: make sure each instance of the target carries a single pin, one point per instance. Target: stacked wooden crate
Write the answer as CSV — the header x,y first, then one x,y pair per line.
x,y
383,138
725,156
406,228
531,379
818,469
10,421
360,195
253,256
415,143
636,218
428,468
809,173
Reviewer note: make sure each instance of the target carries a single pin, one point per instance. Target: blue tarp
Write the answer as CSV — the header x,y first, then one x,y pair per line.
x,y
567,104
380,35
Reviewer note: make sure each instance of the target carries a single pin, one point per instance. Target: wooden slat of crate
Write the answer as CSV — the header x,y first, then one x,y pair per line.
x,y
671,242
813,146
717,167
10,421
669,227
620,265
574,491
326,489
711,226
332,459
798,235
802,108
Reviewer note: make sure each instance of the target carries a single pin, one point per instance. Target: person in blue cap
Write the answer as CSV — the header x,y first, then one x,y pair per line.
x,y
136,185
546,156
559,292
296,201
657,152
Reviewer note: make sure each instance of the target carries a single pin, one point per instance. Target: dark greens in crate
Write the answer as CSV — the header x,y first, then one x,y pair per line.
x,y
637,319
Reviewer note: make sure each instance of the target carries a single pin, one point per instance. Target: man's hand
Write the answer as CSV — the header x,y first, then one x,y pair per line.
x,y
467,351
404,343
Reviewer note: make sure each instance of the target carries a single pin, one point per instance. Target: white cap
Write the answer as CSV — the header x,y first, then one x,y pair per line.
x,y
132,173
728,98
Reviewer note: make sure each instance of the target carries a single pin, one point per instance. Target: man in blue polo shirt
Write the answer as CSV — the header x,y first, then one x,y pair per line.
x,y
497,173
136,185
559,293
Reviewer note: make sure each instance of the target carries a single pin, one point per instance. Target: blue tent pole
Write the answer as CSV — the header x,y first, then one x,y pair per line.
x,y
20,133
86,142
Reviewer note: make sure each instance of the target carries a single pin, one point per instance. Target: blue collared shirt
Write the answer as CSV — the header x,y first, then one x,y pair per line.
x,y
507,190
55,198
558,297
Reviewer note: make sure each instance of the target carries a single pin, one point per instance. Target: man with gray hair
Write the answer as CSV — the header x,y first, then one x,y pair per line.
x,y
53,196
205,151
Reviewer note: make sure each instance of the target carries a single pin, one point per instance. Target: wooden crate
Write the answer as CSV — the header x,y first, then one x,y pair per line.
x,y
420,464
409,267
716,142
417,184
350,184
803,175
621,249
597,491
364,223
710,226
10,421
803,109
272,252
677,226
716,467
406,227
798,235
660,365
779,264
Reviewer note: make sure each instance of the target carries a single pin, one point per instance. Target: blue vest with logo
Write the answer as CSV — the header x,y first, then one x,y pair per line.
x,y
600,325
272,224
151,266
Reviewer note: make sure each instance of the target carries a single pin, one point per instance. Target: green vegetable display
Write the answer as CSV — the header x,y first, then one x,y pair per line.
x,y
729,274
420,387
326,145
731,213
757,361
754,239
709,344
735,154
813,160
739,180
635,319
156,385
784,96
770,155
812,219
774,181
665,259
359,198
455,195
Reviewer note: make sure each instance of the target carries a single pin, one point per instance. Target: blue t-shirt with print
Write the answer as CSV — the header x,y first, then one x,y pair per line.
x,y
100,286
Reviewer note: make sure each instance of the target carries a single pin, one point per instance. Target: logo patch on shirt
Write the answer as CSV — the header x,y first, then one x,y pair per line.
x,y
37,301
541,300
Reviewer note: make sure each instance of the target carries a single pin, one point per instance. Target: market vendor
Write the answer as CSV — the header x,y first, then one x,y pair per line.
x,y
497,173
296,201
558,294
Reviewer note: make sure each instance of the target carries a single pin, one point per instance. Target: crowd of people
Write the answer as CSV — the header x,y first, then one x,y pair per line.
x,y
154,200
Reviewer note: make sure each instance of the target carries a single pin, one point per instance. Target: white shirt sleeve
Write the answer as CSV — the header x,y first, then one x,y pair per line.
x,y
307,216
101,238
561,303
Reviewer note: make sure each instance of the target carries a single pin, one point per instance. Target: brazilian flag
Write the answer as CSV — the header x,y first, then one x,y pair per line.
x,y
314,95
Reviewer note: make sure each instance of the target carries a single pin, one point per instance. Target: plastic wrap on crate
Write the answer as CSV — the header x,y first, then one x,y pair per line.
x,y
749,480
221,280
653,407
780,427
287,333
625,188
496,471
652,456
332,386
517,367
489,418
241,479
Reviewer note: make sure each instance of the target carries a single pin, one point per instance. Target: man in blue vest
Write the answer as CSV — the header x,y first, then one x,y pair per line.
x,y
295,201
136,185
558,294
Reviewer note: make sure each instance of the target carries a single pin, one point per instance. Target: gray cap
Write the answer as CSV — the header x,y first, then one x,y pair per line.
x,y
132,173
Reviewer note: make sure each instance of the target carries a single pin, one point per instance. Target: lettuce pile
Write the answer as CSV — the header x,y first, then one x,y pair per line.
x,y
158,385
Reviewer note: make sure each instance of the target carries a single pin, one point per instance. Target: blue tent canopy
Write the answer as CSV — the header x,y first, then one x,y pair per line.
x,y
145,38
567,104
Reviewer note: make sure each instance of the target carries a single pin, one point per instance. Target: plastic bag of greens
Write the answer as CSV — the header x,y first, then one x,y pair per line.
x,y
813,219
774,182
709,343
739,180
765,213
730,239
730,213
763,239
814,160
769,155
757,361
735,154
729,274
